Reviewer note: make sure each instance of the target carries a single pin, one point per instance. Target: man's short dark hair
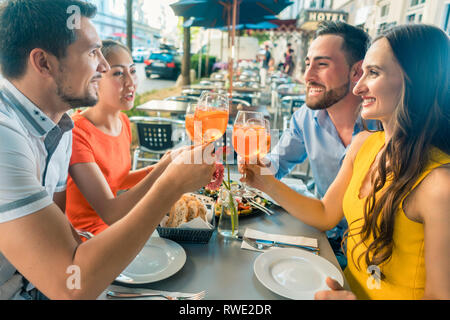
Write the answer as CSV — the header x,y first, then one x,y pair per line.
x,y
356,41
29,24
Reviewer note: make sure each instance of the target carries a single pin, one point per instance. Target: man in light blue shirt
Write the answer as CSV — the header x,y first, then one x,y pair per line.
x,y
312,135
323,129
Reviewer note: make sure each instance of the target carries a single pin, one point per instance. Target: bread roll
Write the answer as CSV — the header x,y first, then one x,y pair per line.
x,y
184,210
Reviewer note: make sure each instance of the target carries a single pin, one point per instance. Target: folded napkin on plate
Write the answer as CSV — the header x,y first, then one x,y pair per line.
x,y
141,290
251,233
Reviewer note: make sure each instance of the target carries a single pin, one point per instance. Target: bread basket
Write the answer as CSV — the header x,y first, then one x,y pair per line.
x,y
187,234
191,235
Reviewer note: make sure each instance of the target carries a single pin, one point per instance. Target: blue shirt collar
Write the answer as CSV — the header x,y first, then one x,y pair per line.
x,y
323,120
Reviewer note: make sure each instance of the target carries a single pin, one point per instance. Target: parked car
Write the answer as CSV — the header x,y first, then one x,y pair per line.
x,y
164,64
139,54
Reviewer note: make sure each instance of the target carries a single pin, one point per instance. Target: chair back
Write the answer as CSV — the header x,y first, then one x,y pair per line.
x,y
191,93
158,134
155,136
191,99
236,101
244,96
290,104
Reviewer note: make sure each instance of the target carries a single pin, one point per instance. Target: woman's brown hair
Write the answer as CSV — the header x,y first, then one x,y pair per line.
x,y
422,121
108,46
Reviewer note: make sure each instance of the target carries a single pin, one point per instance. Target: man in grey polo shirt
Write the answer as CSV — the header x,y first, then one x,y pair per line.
x,y
51,60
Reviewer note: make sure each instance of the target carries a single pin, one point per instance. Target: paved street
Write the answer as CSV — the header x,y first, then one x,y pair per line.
x,y
151,84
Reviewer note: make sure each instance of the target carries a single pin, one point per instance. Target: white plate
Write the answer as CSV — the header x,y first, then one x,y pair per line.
x,y
294,274
159,259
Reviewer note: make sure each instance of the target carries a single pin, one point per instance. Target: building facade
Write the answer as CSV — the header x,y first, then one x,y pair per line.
x,y
311,13
375,16
111,23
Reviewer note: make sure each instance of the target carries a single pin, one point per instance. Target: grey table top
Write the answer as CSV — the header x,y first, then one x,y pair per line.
x,y
225,270
236,89
164,106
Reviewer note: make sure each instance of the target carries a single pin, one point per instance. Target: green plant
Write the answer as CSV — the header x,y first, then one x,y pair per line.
x,y
194,64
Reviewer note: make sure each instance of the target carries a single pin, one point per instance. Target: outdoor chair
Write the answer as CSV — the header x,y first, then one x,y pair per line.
x,y
156,136
303,172
289,105
244,96
236,101
206,83
183,98
217,76
191,93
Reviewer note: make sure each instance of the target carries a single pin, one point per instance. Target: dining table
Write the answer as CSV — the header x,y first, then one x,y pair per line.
x,y
171,106
217,87
235,108
179,107
225,270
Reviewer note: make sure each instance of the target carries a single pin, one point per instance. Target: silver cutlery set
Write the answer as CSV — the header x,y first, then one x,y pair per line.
x,y
259,206
266,244
124,295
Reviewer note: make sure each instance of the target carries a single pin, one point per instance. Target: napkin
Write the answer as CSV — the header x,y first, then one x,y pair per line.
x,y
139,290
251,233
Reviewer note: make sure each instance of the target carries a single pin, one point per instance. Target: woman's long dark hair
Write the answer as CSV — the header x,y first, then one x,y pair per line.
x,y
422,121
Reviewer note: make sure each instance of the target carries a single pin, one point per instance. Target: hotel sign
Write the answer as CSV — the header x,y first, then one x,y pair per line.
x,y
309,19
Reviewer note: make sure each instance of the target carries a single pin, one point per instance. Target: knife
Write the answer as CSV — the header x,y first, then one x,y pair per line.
x,y
282,244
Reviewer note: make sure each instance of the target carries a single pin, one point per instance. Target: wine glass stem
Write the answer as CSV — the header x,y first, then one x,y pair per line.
x,y
245,192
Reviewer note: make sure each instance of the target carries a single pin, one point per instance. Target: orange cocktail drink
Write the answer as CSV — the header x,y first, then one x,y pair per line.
x,y
251,141
189,123
211,122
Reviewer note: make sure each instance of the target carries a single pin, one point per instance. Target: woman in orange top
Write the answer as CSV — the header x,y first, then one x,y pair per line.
x,y
393,186
100,163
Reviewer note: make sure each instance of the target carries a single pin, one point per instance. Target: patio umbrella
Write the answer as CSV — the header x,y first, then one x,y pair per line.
x,y
219,9
217,13
253,26
220,23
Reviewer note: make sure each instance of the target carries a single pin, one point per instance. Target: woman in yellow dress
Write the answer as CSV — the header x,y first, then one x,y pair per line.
x,y
393,186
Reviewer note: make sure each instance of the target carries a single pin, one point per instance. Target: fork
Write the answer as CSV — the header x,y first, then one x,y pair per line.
x,y
115,294
260,207
264,246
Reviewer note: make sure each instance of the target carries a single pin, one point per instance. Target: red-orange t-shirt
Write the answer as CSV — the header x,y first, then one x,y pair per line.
x,y
111,154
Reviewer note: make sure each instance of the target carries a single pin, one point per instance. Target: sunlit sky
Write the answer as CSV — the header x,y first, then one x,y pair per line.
x,y
157,11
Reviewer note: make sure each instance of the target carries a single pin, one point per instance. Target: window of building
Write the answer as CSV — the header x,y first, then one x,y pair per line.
x,y
410,18
385,10
416,2
420,18
381,28
385,26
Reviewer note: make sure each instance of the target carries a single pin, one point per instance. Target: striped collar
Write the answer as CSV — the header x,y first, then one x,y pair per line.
x,y
36,121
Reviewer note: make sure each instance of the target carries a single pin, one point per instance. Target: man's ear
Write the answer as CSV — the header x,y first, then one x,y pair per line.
x,y
356,71
40,61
